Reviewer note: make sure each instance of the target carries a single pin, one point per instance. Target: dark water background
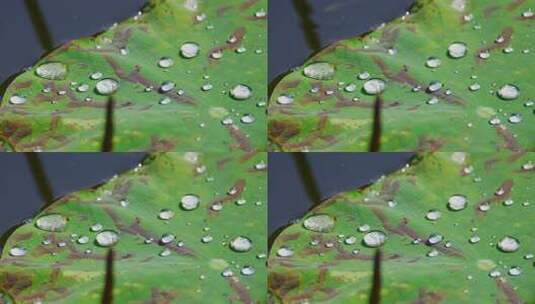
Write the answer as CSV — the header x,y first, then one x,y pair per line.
x,y
333,173
333,20
65,20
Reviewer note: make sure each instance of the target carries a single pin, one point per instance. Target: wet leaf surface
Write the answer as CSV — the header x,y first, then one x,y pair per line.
x,y
432,253
183,227
173,71
454,76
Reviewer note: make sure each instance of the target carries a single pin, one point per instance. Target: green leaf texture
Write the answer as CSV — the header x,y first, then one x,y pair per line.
x,y
466,266
64,110
332,110
67,266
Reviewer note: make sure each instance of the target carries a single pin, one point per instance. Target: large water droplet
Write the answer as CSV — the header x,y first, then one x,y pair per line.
x,y
189,50
374,86
509,92
17,100
241,92
107,238
374,238
107,86
17,251
508,244
190,202
319,223
320,71
241,244
285,252
457,50
515,271
51,222
52,71
457,202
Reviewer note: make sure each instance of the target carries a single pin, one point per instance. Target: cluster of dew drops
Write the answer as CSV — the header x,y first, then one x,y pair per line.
x,y
375,85
374,238
107,238
107,86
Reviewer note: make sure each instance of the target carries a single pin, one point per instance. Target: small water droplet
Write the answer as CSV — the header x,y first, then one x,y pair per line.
x,y
166,252
350,240
189,50
166,214
434,86
166,62
509,92
96,76
285,99
363,75
515,271
508,244
107,86
457,50
83,240
364,228
319,223
241,244
167,238
433,253
374,239
433,215
474,239
107,238
434,239
495,273
52,71
433,62
374,86
248,119
319,71
241,92
51,222
285,252
457,202
227,273
207,239
248,270
17,100
96,227
167,87
515,118
190,202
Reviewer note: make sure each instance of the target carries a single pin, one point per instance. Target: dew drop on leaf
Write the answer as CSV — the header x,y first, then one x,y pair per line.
x,y
241,92
52,71
374,86
319,223
241,244
190,202
17,251
374,238
457,50
107,238
320,71
51,222
189,50
17,100
509,92
107,86
508,244
457,202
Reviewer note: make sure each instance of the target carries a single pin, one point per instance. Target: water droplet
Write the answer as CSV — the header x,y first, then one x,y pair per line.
x,y
189,50
434,239
515,271
248,119
285,99
433,253
515,118
17,251
320,71
374,86
528,14
217,207
285,252
166,62
52,71
484,55
363,76
96,227
374,239
364,228
241,92
474,87
167,87
167,238
83,240
248,270
166,214
457,202
350,88
457,50
17,100
166,252
433,215
107,86
508,244
350,240
484,207
217,55
509,92
433,62
495,273
190,202
207,239
165,101
434,86
227,273
96,76
474,239
51,222
107,238
241,244
319,223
